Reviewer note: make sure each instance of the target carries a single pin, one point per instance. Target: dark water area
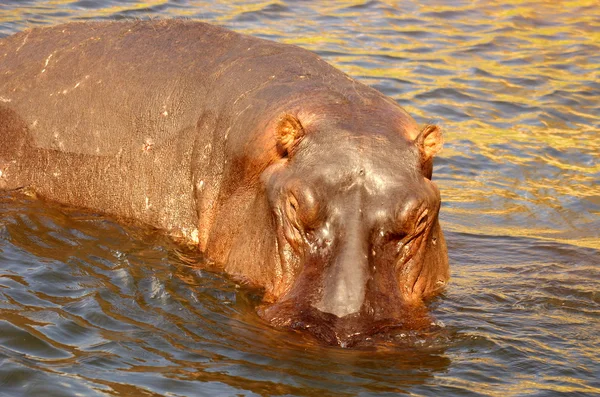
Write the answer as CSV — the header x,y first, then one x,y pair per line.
x,y
91,307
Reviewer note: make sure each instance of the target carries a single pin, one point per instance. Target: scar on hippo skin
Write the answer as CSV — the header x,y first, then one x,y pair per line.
x,y
148,145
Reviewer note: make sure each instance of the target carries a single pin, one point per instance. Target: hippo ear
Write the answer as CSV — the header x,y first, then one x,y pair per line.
x,y
429,142
289,134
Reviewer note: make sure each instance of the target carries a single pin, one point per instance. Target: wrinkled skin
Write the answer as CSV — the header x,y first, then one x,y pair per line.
x,y
287,173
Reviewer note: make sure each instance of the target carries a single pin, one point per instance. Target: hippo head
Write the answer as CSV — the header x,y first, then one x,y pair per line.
x,y
359,241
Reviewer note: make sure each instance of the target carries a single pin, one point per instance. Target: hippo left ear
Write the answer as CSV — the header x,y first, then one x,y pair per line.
x,y
289,134
429,142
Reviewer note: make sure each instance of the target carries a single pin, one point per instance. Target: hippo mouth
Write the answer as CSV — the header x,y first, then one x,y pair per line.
x,y
353,330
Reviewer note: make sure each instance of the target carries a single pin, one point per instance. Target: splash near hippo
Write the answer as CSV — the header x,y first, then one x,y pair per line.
x,y
287,173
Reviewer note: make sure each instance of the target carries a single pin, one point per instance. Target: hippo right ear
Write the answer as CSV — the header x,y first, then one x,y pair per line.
x,y
289,133
429,142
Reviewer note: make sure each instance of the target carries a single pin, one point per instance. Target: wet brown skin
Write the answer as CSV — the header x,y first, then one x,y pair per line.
x,y
286,172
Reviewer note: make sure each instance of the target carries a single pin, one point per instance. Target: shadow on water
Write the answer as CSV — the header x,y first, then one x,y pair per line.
x,y
83,297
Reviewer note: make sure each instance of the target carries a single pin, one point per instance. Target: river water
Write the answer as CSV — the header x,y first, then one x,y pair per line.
x,y
89,307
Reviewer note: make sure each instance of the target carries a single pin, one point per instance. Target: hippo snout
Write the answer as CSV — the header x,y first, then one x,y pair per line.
x,y
347,331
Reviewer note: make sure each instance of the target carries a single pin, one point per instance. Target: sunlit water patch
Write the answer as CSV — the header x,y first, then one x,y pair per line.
x,y
91,307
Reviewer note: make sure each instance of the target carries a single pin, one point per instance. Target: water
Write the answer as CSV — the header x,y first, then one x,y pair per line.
x,y
91,307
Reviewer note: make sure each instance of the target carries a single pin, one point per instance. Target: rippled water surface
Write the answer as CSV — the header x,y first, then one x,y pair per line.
x,y
91,307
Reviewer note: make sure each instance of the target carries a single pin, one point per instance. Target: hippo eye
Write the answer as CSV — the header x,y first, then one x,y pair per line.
x,y
411,218
292,208
405,218
421,222
304,208
308,213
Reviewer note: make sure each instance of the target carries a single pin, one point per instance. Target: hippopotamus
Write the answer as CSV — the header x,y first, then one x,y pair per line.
x,y
289,175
